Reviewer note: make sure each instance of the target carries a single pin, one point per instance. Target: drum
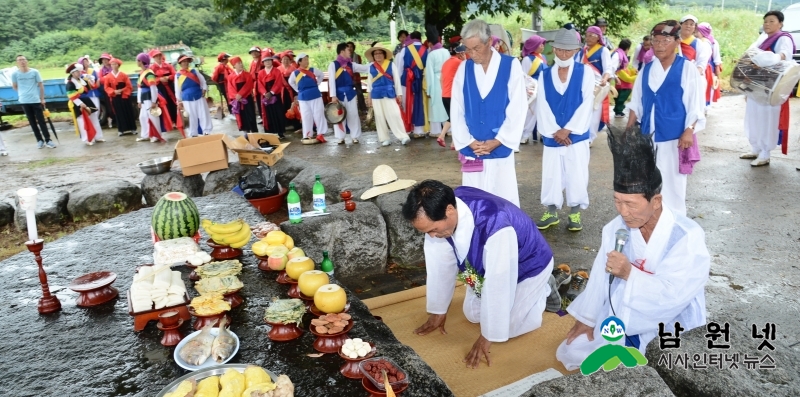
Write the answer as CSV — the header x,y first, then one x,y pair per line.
x,y
769,85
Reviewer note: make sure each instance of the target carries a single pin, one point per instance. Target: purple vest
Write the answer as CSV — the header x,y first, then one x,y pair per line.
x,y
492,213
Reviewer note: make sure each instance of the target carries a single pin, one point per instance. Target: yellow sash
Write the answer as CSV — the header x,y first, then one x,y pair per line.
x,y
593,50
384,65
298,77
415,55
534,65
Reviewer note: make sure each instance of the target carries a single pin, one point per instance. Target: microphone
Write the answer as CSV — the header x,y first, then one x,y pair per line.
x,y
621,236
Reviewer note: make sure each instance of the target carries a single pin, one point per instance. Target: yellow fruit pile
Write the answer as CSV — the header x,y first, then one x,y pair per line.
x,y
276,241
234,234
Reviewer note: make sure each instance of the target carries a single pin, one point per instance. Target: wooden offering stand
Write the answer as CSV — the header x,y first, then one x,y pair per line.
x,y
48,303
94,288
294,292
223,252
281,332
375,392
170,322
283,278
350,368
307,300
263,263
201,320
331,343
316,312
349,204
140,319
193,275
233,298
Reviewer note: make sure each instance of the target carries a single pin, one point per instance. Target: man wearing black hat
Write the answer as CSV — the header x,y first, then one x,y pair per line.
x,y
667,102
603,25
660,272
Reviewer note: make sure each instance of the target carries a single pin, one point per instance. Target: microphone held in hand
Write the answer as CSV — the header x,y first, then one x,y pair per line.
x,y
621,237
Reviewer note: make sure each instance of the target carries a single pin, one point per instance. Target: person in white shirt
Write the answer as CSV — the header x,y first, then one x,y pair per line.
x,y
341,83
667,102
487,112
596,55
696,50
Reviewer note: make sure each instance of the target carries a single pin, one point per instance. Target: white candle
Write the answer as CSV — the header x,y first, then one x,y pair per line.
x,y
27,202
32,233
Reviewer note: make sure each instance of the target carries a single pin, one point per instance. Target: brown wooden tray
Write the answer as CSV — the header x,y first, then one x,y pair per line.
x,y
141,319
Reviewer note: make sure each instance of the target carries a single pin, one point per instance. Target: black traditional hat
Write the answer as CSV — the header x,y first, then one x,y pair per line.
x,y
432,34
635,168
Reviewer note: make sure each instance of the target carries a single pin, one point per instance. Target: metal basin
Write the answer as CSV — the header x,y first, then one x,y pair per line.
x,y
156,166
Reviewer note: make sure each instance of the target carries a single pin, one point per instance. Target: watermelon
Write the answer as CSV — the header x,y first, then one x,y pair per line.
x,y
175,215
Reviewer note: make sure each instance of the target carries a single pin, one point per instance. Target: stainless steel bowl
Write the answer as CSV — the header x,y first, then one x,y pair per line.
x,y
156,166
210,371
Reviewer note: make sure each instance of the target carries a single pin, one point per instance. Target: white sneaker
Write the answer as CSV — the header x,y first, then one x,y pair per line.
x,y
386,143
524,140
100,140
748,156
154,139
89,143
3,153
340,142
355,140
140,139
516,150
405,140
759,162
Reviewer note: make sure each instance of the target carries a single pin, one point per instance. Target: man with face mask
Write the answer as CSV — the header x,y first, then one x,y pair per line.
x,y
493,247
564,112
660,274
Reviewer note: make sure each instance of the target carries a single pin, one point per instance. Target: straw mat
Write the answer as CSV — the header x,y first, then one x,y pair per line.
x,y
511,361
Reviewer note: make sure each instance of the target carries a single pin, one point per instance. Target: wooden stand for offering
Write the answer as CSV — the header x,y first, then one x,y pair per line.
x,y
172,334
140,319
233,298
350,367
94,288
281,332
306,299
223,252
193,275
331,343
375,392
213,319
294,292
48,303
283,278
263,263
316,312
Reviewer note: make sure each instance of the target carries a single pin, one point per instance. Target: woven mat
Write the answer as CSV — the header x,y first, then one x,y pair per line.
x,y
511,361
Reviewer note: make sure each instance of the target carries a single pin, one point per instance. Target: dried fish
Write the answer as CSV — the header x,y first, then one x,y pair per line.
x,y
197,350
224,344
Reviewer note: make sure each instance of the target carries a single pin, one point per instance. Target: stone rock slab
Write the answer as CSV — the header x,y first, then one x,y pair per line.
x,y
221,181
642,381
330,177
103,199
405,242
356,241
712,381
95,352
156,186
6,214
51,209
287,169
357,185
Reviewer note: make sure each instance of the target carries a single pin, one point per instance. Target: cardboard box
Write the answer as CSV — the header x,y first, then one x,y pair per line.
x,y
203,154
253,156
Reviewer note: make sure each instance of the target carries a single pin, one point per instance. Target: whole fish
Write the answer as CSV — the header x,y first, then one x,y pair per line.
x,y
197,350
224,344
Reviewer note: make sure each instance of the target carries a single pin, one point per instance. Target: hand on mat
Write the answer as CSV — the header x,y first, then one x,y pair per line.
x,y
480,348
434,321
579,329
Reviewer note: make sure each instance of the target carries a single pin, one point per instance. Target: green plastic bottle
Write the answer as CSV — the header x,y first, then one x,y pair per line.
x,y
319,196
326,265
293,202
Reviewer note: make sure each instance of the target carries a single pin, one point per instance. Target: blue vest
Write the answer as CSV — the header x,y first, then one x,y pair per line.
x,y
542,66
484,116
596,60
564,106
95,93
190,91
307,88
670,115
382,87
492,213
345,90
408,60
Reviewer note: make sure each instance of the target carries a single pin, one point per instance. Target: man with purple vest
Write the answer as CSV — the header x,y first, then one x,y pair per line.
x,y
342,89
495,249
564,113
667,101
488,105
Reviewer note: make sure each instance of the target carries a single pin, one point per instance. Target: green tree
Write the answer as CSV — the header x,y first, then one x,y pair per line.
x,y
192,26
123,42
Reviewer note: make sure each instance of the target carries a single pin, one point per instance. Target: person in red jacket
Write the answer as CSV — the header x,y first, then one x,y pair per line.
x,y
287,66
118,87
220,76
269,86
240,87
165,76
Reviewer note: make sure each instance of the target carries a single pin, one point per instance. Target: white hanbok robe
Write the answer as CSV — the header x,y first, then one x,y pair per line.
x,y
760,120
352,120
703,52
433,77
565,167
94,117
199,115
670,287
597,114
506,309
635,58
499,176
313,111
530,117
387,110
694,101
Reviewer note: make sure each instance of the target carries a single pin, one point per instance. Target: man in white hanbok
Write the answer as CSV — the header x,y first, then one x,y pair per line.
x,y
660,274
493,247
487,111
564,112
437,56
677,111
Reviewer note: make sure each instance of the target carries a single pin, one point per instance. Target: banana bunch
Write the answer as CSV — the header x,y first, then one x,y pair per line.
x,y
234,234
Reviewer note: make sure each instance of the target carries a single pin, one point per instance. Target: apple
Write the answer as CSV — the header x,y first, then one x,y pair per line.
x,y
330,298
277,262
295,252
311,280
297,266
276,250
275,237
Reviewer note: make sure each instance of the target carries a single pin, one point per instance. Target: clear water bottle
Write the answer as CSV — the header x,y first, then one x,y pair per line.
x,y
319,196
326,265
293,202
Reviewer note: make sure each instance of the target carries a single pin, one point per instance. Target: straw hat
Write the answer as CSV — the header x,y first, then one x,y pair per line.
x,y
379,46
384,180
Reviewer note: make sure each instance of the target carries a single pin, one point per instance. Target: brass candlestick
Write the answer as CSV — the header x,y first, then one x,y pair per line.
x,y
48,303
